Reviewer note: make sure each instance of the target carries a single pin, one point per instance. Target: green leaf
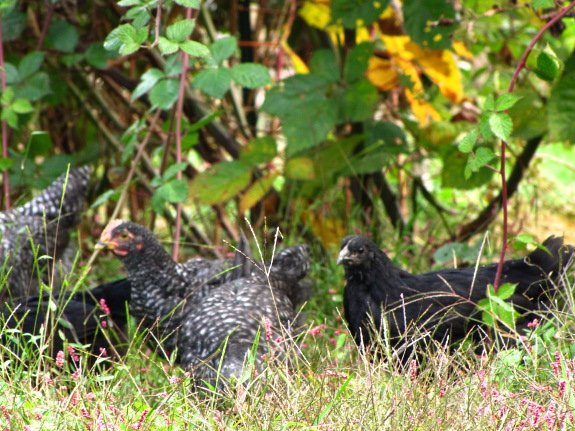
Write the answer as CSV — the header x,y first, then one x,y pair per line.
x,y
148,80
501,125
300,168
195,49
10,116
39,144
6,164
525,239
323,63
30,64
167,46
357,61
180,30
172,170
538,4
14,22
165,93
251,75
561,106
547,68
174,191
430,23
506,101
189,3
22,106
62,36
222,49
97,56
12,74
221,182
468,141
489,104
37,86
482,157
128,3
505,291
453,173
359,101
259,151
354,13
7,96
214,82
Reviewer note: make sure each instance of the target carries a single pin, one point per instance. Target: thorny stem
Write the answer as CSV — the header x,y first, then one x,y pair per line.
x,y
4,124
179,111
518,69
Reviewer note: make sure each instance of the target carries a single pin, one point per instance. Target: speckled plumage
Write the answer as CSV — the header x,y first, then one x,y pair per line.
x,y
45,221
442,303
210,305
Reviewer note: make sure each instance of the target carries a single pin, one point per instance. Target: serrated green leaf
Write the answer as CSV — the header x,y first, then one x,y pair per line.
x,y
214,82
468,141
547,68
195,49
222,49
538,4
165,93
180,30
221,182
506,101
12,74
174,191
357,61
141,35
167,46
489,104
129,48
148,80
128,3
22,106
251,75
506,290
37,86
300,168
359,101
560,108
482,157
324,63
96,55
30,64
501,125
356,13
172,170
189,3
7,96
10,116
62,36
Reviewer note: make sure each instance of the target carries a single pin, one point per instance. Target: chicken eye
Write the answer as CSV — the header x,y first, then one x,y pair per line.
x,y
360,250
124,235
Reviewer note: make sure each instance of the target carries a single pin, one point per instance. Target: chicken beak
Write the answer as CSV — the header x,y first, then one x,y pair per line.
x,y
343,256
100,245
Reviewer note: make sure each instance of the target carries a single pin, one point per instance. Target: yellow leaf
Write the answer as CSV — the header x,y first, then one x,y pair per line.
x,y
381,73
298,64
316,13
256,191
329,230
461,50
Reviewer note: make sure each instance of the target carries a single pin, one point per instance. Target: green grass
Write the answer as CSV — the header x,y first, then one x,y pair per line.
x,y
328,385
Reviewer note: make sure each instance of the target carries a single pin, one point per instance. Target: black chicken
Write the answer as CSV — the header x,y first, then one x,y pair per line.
x,y
43,224
441,303
78,316
202,302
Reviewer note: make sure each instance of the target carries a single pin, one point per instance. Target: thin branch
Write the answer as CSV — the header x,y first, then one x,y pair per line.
x,y
6,185
504,196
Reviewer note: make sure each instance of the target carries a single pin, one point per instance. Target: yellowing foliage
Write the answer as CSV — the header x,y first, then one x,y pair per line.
x,y
298,64
329,230
382,74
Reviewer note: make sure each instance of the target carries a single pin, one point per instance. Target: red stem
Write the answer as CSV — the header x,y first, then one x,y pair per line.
x,y
179,111
518,69
6,185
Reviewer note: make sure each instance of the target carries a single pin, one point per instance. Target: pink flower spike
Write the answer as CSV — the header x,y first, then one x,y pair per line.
x,y
105,307
104,324
60,359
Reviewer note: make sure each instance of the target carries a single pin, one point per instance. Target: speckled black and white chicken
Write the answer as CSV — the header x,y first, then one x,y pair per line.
x,y
46,222
212,306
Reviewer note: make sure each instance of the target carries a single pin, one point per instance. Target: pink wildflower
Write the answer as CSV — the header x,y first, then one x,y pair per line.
x,y
269,332
105,307
104,324
174,379
556,364
76,374
140,422
103,351
533,324
562,387
60,358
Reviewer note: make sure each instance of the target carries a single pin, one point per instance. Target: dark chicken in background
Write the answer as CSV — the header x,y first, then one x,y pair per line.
x,y
46,221
78,316
199,305
441,303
